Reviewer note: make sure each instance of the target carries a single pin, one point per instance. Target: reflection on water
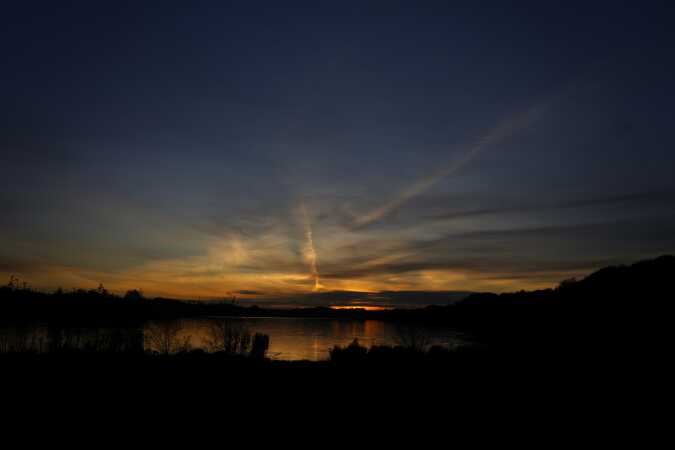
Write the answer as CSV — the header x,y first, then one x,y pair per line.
x,y
41,338
309,338
290,338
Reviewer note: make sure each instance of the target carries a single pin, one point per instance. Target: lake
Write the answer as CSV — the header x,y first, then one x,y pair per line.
x,y
290,338
311,338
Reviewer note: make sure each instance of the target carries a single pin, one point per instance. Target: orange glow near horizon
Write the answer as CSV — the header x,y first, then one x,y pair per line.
x,y
184,281
366,308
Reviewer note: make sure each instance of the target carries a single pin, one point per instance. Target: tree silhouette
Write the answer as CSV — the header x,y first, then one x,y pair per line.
x,y
134,294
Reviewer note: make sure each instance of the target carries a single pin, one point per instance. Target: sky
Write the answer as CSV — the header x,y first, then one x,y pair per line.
x,y
333,151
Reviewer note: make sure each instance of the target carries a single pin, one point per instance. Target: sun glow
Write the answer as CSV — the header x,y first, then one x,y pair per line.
x,y
363,307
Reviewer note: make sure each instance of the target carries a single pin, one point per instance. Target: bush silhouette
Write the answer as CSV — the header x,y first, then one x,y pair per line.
x,y
230,338
163,337
134,294
261,343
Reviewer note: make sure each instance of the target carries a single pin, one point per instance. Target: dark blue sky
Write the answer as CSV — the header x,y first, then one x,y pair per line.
x,y
204,148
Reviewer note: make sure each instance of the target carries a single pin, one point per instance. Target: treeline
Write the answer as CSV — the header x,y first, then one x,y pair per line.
x,y
99,306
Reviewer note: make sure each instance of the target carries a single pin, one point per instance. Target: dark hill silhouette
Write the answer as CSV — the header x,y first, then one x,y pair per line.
x,y
619,304
643,285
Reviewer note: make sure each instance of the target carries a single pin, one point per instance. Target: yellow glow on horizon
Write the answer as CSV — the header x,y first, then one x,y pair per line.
x,y
366,308
182,280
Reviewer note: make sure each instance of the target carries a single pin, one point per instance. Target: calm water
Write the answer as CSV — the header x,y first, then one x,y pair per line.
x,y
310,338
290,338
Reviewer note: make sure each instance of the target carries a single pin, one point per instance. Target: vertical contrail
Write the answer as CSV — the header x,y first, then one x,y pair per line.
x,y
500,132
309,252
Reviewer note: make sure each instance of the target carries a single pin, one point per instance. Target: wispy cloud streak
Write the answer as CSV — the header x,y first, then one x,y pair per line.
x,y
500,132
647,198
309,251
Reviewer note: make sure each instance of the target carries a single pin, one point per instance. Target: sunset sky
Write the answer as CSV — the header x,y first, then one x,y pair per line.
x,y
292,149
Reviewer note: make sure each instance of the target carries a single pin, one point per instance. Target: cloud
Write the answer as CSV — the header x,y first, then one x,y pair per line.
x,y
496,135
524,256
248,292
309,251
661,197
